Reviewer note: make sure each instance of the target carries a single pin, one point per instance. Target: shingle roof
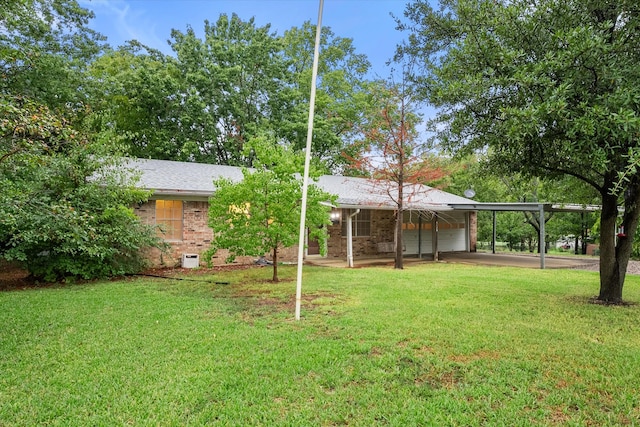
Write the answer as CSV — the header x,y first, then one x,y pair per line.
x,y
172,178
175,178
361,192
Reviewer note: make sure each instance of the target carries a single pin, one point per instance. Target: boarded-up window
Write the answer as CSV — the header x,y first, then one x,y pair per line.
x,y
169,218
361,223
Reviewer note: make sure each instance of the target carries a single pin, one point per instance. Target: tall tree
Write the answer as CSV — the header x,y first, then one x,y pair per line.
x,y
230,78
136,102
261,213
222,88
551,87
392,151
342,97
44,48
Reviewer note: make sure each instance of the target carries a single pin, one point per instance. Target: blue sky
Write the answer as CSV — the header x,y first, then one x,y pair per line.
x,y
367,22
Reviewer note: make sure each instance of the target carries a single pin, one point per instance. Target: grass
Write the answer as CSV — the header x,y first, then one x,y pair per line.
x,y
433,344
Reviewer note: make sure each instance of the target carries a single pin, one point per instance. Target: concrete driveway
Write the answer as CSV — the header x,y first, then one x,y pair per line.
x,y
478,258
520,260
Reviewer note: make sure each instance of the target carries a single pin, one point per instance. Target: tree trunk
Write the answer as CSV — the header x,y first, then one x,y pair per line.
x,y
399,242
275,265
399,218
615,248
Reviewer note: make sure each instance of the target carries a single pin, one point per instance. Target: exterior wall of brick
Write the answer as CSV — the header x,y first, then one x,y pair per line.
x,y
197,236
382,230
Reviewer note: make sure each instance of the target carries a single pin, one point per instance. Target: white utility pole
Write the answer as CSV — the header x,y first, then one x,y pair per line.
x,y
307,161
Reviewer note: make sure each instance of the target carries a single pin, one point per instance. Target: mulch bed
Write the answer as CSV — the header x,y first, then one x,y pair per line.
x,y
12,277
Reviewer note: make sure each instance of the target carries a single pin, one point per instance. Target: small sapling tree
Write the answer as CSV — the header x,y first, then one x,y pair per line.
x,y
261,214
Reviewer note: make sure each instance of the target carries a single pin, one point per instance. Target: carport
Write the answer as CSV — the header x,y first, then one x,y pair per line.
x,y
539,208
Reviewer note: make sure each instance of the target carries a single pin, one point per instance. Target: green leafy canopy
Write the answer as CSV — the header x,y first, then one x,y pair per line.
x,y
65,203
550,87
261,214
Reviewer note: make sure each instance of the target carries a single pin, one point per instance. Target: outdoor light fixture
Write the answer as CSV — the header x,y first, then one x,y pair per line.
x,y
335,216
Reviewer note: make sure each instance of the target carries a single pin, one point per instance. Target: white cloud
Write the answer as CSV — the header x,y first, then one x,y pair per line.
x,y
120,22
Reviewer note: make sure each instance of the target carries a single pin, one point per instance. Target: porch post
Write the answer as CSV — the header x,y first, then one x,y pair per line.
x,y
434,233
420,235
350,237
349,242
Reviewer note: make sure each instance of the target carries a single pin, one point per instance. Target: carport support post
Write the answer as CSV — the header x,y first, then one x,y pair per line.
x,y
541,239
493,237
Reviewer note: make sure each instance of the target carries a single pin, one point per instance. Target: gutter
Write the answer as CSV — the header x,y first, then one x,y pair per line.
x,y
179,193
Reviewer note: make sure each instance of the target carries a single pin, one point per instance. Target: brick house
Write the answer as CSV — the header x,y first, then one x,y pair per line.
x,y
432,223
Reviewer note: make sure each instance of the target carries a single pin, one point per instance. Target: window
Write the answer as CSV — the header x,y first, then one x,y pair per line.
x,y
360,223
169,217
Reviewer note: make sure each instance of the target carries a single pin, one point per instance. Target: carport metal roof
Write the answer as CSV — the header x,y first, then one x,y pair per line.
x,y
541,208
521,207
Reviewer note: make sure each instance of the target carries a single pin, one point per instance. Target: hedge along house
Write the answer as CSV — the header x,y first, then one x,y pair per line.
x,y
431,223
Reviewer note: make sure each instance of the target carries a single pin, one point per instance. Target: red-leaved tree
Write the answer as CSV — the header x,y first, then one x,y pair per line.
x,y
391,152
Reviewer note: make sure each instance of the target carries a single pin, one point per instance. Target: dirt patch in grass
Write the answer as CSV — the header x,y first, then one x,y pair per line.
x,y
201,271
267,298
596,301
435,379
480,355
260,305
577,299
559,415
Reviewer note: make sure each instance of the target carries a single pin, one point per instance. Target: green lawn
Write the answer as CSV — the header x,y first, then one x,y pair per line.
x,y
433,344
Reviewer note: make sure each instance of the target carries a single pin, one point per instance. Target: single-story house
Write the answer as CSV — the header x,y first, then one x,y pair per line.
x,y
433,223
